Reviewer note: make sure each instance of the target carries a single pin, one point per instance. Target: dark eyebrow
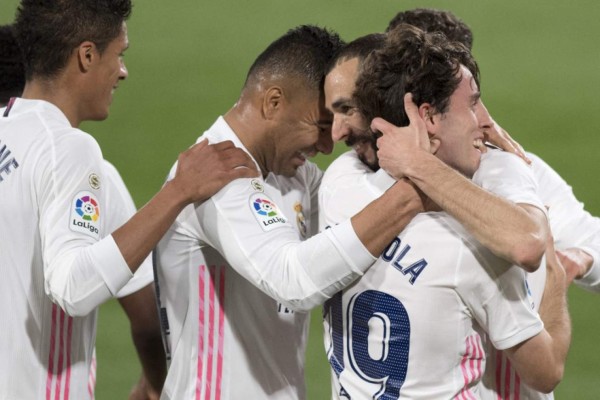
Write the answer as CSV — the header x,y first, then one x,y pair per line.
x,y
475,97
340,102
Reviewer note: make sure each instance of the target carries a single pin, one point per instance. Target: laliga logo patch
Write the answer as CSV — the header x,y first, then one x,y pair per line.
x,y
85,214
266,212
300,220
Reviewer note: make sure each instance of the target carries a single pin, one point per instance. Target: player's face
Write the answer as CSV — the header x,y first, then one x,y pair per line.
x,y
303,131
109,71
461,127
349,124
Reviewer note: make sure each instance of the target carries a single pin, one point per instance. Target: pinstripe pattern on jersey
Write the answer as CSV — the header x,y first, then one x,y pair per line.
x,y
11,102
92,376
59,358
471,366
507,382
211,318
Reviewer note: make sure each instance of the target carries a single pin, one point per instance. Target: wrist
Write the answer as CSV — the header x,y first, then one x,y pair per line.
x,y
173,196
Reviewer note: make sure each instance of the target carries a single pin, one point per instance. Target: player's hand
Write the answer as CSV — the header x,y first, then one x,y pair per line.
x,y
397,147
204,169
576,262
143,391
497,136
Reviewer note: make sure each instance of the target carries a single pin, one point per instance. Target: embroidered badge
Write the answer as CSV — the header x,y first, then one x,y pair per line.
x,y
94,181
257,185
266,212
300,220
85,214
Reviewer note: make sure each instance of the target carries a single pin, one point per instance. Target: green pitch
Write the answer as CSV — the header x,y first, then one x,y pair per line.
x,y
188,59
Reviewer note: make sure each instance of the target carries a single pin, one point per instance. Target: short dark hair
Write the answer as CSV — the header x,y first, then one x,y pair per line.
x,y
425,64
304,52
358,48
48,31
431,20
12,70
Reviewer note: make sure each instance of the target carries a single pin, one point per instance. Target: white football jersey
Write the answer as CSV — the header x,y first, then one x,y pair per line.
x,y
413,326
56,260
571,226
234,276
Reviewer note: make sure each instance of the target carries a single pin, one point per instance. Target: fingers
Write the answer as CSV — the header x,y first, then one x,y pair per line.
x,y
382,126
499,137
412,111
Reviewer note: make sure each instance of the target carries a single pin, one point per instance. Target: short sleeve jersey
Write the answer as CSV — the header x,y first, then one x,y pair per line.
x,y
234,276
56,260
571,226
413,325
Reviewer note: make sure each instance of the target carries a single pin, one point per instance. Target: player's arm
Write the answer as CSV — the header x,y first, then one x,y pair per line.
x,y
83,267
140,308
302,275
509,231
540,360
201,171
385,217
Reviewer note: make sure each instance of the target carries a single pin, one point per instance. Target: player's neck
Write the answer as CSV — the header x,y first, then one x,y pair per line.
x,y
247,128
53,91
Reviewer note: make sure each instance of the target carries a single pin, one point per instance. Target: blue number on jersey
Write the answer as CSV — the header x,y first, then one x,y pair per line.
x,y
387,368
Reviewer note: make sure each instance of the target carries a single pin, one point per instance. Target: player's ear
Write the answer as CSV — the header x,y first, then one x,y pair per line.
x,y
86,54
428,113
272,102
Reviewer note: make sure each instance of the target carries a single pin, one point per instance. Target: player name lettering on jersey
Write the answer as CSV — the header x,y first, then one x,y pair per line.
x,y
7,165
395,254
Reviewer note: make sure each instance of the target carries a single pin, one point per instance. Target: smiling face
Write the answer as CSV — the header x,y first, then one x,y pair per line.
x,y
302,130
105,76
349,124
459,131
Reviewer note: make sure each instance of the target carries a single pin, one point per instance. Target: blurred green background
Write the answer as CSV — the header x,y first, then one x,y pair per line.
x,y
540,63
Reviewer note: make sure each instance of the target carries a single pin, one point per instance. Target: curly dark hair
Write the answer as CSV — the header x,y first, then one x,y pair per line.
x,y
49,30
304,51
425,64
12,71
431,20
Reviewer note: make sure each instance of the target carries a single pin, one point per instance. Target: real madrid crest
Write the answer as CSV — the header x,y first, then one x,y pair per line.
x,y
300,220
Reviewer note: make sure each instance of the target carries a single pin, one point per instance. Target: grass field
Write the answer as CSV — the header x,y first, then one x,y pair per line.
x,y
540,63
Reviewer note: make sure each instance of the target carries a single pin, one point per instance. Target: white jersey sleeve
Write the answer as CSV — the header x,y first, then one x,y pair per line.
x,y
247,227
348,186
509,177
571,224
82,270
122,208
498,298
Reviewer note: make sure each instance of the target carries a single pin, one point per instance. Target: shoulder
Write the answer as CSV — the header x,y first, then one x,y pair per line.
x,y
309,172
495,161
347,166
